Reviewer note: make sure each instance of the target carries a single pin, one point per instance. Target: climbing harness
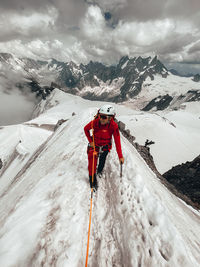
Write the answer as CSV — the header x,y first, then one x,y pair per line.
x,y
90,217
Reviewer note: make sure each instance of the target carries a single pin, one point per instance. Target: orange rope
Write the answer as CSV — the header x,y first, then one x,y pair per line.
x,y
86,261
90,218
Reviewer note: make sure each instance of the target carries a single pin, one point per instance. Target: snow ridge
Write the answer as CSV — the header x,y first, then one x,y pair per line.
x,y
136,220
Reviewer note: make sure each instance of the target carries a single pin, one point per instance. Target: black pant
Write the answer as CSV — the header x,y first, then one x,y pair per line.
x,y
102,160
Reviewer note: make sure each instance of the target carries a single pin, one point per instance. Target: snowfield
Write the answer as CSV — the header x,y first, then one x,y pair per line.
x,y
172,85
175,133
45,200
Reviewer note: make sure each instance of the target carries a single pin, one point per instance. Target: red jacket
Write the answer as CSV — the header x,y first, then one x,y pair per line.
x,y
103,134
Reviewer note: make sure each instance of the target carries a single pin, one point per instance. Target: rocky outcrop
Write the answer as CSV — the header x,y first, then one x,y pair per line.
x,y
40,91
167,101
4,57
196,78
186,178
1,164
160,103
194,95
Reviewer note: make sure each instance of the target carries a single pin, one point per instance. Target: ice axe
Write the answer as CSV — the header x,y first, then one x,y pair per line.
x,y
120,169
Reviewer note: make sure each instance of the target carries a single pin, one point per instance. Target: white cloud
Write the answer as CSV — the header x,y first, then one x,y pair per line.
x,y
35,20
93,24
29,25
77,30
166,37
143,34
36,49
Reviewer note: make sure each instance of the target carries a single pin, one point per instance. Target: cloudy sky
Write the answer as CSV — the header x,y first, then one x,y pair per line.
x,y
102,30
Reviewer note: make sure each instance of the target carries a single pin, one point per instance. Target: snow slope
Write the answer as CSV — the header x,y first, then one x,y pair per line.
x,y
18,145
44,209
172,85
175,133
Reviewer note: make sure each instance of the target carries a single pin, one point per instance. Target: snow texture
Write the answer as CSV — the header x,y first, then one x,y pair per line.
x,y
44,205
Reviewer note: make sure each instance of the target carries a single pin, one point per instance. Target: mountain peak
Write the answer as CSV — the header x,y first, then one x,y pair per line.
x,y
125,78
4,57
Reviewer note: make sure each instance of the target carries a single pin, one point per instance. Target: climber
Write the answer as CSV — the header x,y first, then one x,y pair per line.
x,y
103,127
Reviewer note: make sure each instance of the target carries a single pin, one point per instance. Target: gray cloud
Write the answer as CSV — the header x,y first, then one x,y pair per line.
x,y
143,10
80,31
16,105
182,8
194,48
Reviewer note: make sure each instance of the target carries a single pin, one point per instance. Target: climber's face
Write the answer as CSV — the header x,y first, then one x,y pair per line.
x,y
104,119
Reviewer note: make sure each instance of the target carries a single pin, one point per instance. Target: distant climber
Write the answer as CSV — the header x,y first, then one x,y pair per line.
x,y
104,127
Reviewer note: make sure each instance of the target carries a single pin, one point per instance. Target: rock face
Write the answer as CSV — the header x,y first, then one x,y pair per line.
x,y
167,101
5,56
40,91
186,178
96,81
133,71
196,78
93,80
160,103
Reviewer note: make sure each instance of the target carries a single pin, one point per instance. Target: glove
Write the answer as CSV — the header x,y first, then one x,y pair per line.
x,y
121,160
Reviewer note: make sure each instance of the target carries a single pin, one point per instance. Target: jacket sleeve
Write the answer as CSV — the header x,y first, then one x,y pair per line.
x,y
87,131
116,135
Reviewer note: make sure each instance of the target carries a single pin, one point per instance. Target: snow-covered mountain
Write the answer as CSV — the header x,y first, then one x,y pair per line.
x,y
144,82
175,133
94,80
26,74
44,197
160,90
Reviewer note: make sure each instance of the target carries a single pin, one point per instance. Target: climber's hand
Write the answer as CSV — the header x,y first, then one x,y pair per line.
x,y
121,160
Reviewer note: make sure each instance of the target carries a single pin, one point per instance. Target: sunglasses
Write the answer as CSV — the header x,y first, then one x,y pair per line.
x,y
104,117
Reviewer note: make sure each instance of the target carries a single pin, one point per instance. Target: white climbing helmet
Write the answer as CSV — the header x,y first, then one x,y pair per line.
x,y
107,110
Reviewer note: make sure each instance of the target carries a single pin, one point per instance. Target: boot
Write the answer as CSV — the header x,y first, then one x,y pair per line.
x,y
94,185
102,161
99,174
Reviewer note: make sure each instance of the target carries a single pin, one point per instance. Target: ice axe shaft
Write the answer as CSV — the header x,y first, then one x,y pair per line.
x,y
121,170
